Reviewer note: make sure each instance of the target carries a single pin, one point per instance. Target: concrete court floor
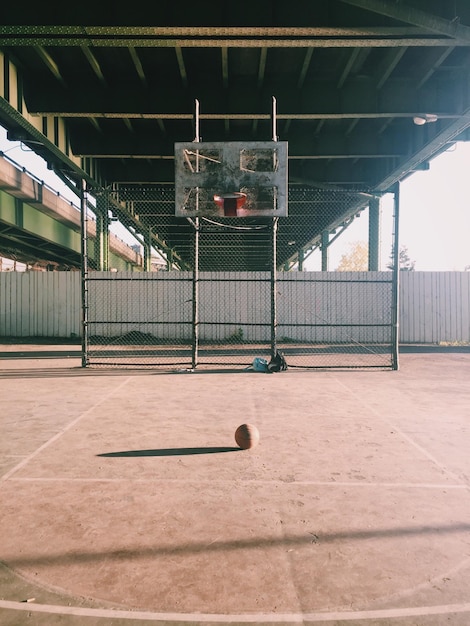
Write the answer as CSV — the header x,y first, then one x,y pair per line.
x,y
124,499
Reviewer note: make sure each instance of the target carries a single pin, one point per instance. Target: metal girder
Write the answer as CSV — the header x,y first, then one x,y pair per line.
x,y
305,66
432,148
30,247
251,116
347,68
397,98
326,146
262,66
410,15
32,138
27,252
225,74
86,33
34,132
438,59
388,64
95,66
50,64
138,66
181,65
256,37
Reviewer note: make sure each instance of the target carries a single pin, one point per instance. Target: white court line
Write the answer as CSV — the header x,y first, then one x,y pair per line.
x,y
404,435
399,596
248,618
243,483
61,432
253,618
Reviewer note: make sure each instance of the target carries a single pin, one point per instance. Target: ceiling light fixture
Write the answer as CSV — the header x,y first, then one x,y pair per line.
x,y
427,118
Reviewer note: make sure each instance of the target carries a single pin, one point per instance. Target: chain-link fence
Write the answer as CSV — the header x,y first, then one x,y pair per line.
x,y
220,292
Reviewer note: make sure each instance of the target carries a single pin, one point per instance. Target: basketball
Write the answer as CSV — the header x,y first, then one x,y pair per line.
x,y
247,436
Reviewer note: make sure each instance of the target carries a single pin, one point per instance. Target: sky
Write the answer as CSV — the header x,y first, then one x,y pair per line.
x,y
434,218
434,211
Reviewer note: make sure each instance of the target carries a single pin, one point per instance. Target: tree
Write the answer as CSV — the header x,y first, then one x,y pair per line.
x,y
404,262
356,260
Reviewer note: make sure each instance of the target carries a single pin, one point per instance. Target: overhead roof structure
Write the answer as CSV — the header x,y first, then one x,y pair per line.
x,y
366,91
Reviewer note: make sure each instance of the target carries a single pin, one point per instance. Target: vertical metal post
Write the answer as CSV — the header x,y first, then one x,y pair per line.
x,y
101,253
195,325
195,339
99,242
274,119
396,278
274,252
325,241
274,288
84,270
300,257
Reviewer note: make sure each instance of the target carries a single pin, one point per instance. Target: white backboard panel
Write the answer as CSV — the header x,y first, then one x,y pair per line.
x,y
231,179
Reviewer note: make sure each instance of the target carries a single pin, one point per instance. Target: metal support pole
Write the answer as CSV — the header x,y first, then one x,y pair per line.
x,y
396,278
325,240
274,119
84,270
374,234
101,254
274,251
300,262
195,325
99,247
195,338
274,288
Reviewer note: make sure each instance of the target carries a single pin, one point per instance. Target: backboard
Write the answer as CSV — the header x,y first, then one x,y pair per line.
x,y
231,179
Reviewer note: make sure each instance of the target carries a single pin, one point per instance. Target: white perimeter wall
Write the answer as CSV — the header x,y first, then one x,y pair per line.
x,y
434,306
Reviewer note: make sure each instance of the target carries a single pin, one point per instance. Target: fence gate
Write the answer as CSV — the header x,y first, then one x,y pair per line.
x,y
183,293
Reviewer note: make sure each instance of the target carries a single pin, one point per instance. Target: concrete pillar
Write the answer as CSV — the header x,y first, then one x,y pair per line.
x,y
374,235
169,260
148,250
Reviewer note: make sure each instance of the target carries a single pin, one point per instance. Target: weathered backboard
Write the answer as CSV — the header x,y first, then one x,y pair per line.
x,y
231,179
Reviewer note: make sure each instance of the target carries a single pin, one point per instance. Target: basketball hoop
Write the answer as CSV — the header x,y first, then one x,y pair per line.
x,y
231,179
230,203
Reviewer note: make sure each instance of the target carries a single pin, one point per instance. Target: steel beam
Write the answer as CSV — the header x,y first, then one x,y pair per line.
x,y
416,17
235,37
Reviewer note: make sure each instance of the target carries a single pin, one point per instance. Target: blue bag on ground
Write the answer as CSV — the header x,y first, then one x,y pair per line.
x,y
260,365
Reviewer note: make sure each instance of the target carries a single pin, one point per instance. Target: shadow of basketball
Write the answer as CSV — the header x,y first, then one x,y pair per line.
x,y
171,451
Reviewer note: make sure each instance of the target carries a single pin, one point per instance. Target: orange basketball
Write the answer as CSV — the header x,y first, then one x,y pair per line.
x,y
247,436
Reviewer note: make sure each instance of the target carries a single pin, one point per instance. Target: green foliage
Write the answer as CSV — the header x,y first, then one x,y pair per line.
x,y
404,262
237,336
356,260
